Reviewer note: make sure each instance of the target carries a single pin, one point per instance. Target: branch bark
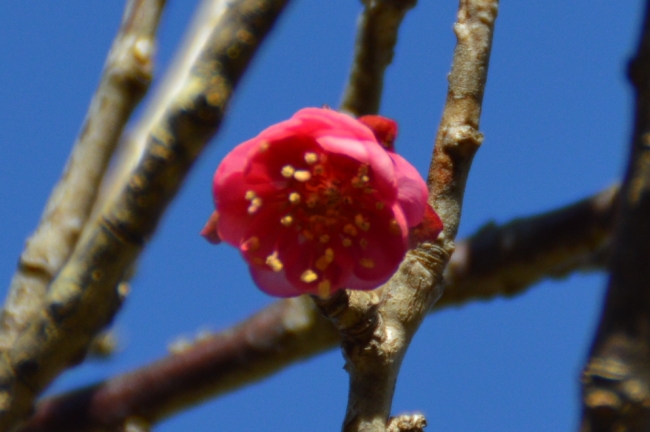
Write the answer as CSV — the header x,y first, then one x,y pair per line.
x,y
375,47
506,260
125,79
616,378
84,296
206,19
387,319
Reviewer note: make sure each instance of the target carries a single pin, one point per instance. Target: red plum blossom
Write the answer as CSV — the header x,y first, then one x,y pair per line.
x,y
319,203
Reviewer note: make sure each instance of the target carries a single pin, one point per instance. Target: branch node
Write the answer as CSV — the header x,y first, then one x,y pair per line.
x,y
353,313
407,423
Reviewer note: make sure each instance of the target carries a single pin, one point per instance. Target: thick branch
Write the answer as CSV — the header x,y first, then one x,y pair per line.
x,y
289,330
125,79
84,296
616,379
375,47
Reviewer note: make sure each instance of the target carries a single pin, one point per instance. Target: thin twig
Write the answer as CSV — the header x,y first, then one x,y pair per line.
x,y
375,47
508,261
125,79
84,296
616,378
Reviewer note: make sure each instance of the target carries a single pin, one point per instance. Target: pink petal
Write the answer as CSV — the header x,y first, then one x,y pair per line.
x,y
235,162
334,122
273,283
412,192
232,207
385,249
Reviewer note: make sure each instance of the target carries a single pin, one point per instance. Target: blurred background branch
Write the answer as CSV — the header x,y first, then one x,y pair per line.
x,y
616,377
375,47
125,79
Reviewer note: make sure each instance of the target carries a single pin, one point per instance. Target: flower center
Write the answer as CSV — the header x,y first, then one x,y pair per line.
x,y
328,200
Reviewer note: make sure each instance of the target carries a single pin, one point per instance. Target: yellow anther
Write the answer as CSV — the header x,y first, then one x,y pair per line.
x,y
379,205
256,203
274,262
361,223
324,289
347,242
311,158
367,263
324,238
294,197
308,276
264,146
365,178
286,220
252,244
250,195
287,171
302,176
325,260
350,230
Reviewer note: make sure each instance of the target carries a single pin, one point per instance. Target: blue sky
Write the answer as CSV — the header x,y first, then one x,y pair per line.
x,y
556,117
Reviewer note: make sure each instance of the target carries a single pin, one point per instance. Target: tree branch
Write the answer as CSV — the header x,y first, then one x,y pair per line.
x,y
205,20
375,47
286,332
84,296
505,260
616,378
125,79
289,330
375,346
